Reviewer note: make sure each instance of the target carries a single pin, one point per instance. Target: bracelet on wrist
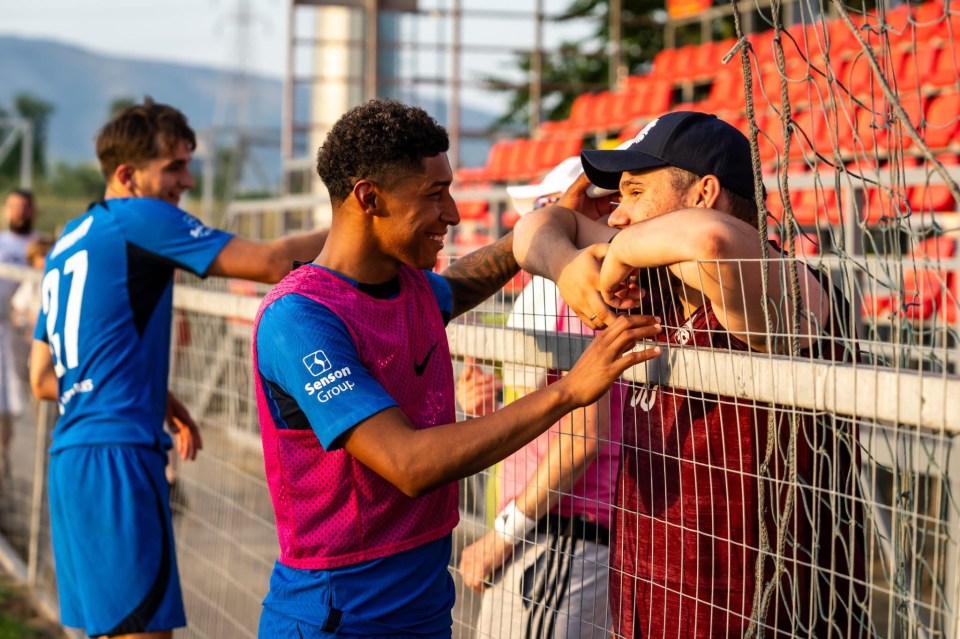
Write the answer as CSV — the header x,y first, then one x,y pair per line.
x,y
511,524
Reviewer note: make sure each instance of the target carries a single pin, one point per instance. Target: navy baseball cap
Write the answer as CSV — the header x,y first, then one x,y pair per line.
x,y
697,142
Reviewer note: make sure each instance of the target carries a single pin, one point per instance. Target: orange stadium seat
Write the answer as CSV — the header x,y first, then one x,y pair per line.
x,y
663,63
503,164
549,128
523,163
947,310
923,284
931,25
469,176
727,93
554,150
922,289
509,219
473,209
601,111
582,112
684,61
934,197
913,67
946,69
762,45
943,115
657,100
913,104
709,58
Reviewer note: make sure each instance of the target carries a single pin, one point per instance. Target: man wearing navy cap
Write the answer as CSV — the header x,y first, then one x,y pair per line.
x,y
711,535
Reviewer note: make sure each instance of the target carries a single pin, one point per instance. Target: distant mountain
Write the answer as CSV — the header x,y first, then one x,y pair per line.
x,y
81,84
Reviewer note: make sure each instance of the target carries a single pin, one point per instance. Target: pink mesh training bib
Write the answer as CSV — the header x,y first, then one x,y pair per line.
x,y
331,510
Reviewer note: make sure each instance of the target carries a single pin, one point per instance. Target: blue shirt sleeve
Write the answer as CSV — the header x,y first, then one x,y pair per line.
x,y
169,232
305,350
441,290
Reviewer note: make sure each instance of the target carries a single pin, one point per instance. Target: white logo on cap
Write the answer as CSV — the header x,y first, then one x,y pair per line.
x,y
644,131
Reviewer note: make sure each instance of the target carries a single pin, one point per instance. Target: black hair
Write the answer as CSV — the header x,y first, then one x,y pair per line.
x,y
381,140
26,194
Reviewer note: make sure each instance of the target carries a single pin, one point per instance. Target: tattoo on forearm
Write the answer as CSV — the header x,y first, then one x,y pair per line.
x,y
478,275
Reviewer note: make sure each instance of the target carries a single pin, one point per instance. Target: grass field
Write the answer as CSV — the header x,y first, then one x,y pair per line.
x,y
18,617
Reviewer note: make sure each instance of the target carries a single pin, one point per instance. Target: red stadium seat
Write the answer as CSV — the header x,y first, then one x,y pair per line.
x,y
728,92
935,249
762,45
913,67
473,209
946,69
508,219
657,101
581,111
601,111
934,197
943,115
913,104
923,283
930,23
921,293
684,64
550,128
500,166
663,63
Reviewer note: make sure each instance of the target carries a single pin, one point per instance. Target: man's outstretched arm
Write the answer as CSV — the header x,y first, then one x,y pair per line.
x,y
266,261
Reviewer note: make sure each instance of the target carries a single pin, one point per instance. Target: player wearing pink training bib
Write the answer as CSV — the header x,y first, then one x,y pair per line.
x,y
377,470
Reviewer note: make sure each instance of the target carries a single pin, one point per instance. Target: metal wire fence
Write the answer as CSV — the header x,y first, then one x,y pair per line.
x,y
900,399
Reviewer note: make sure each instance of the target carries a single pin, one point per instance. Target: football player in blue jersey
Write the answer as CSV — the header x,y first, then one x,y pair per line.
x,y
101,349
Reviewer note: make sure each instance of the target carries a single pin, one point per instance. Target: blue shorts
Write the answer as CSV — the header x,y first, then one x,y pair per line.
x,y
113,540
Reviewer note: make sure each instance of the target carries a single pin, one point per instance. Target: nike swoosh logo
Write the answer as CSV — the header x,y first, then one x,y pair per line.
x,y
419,367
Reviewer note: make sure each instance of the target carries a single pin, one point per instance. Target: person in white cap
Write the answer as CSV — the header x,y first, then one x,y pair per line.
x,y
551,581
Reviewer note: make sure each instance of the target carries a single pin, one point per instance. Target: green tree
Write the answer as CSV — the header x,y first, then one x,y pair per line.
x,y
82,180
37,111
576,67
119,104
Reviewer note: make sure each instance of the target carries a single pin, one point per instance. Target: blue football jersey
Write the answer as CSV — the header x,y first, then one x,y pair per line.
x,y
106,306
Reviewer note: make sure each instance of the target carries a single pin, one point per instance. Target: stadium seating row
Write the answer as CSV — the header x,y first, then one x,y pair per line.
x,y
927,288
823,205
856,130
520,159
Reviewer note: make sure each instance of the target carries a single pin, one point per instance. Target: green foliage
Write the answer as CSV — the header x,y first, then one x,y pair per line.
x,y
37,111
119,104
76,180
578,67
12,628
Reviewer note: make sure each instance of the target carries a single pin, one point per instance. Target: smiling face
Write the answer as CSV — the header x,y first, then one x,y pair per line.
x,y
165,177
648,194
414,214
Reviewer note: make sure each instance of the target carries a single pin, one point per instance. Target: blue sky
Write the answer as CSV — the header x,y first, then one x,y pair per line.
x,y
191,31
205,31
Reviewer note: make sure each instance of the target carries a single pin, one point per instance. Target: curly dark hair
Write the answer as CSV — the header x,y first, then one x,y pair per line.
x,y
141,133
382,140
